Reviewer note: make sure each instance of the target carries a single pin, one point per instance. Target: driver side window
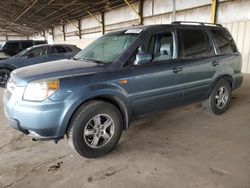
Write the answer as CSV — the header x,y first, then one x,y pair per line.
x,y
156,48
163,48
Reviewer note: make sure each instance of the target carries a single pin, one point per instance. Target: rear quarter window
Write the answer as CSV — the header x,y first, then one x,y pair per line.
x,y
224,42
194,44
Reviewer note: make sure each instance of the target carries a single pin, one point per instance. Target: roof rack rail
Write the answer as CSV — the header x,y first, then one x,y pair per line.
x,y
198,23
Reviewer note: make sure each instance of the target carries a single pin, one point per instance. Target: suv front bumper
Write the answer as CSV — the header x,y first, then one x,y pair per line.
x,y
42,120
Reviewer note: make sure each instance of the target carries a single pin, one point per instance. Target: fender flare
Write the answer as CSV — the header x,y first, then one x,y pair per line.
x,y
114,98
227,77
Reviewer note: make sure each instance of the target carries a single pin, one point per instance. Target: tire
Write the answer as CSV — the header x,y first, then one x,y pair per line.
x,y
4,76
219,99
95,129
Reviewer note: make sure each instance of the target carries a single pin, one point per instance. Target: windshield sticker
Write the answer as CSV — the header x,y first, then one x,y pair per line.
x,y
136,31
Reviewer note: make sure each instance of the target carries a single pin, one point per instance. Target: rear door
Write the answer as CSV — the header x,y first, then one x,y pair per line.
x,y
155,86
227,53
199,63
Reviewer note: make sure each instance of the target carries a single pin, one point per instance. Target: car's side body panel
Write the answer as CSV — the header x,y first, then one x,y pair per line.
x,y
154,86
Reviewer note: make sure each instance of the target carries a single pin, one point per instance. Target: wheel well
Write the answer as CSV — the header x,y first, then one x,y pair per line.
x,y
225,77
6,68
109,100
106,99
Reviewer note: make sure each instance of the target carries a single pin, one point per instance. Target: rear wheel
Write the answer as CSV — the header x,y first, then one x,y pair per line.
x,y
4,76
219,99
95,129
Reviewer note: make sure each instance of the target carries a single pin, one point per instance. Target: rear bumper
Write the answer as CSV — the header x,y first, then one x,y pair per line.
x,y
238,79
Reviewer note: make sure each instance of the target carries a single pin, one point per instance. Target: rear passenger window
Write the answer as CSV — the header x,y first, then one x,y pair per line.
x,y
36,52
68,49
194,44
58,49
224,42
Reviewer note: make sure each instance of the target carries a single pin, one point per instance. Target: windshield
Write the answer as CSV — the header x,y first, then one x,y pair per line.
x,y
22,53
107,48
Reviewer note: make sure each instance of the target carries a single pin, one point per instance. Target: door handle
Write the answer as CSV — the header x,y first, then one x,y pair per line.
x,y
177,69
215,63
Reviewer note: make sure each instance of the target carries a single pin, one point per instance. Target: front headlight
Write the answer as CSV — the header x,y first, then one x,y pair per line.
x,y
40,90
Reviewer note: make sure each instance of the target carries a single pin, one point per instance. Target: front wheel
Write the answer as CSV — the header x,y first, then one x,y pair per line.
x,y
219,99
95,129
4,76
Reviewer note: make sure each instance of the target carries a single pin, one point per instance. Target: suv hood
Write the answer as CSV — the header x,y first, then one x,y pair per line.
x,y
55,69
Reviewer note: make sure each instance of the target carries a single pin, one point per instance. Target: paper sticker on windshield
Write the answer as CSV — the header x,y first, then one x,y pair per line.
x,y
135,31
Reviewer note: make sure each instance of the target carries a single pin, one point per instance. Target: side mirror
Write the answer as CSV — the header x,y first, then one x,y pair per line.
x,y
29,55
142,58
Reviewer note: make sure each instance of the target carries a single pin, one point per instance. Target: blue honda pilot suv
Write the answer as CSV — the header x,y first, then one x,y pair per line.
x,y
120,76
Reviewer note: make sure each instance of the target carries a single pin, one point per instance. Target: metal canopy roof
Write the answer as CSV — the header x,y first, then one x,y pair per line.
x,y
31,16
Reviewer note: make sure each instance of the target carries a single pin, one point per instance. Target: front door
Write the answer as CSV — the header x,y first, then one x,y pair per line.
x,y
34,56
155,85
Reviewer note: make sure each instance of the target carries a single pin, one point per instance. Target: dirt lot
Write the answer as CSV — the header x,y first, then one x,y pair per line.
x,y
181,148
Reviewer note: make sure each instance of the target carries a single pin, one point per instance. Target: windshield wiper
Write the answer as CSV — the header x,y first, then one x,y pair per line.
x,y
96,61
76,58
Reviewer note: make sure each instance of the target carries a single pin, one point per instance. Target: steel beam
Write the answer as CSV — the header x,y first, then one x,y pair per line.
x,y
44,35
44,6
75,26
53,34
24,11
63,31
174,11
141,3
135,11
60,9
79,28
58,28
213,11
101,22
75,11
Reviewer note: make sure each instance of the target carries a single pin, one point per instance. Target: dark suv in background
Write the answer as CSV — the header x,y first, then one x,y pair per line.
x,y
13,47
121,76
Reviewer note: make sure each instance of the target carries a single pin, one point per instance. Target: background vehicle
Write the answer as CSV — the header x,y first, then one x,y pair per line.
x,y
13,47
34,55
121,76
